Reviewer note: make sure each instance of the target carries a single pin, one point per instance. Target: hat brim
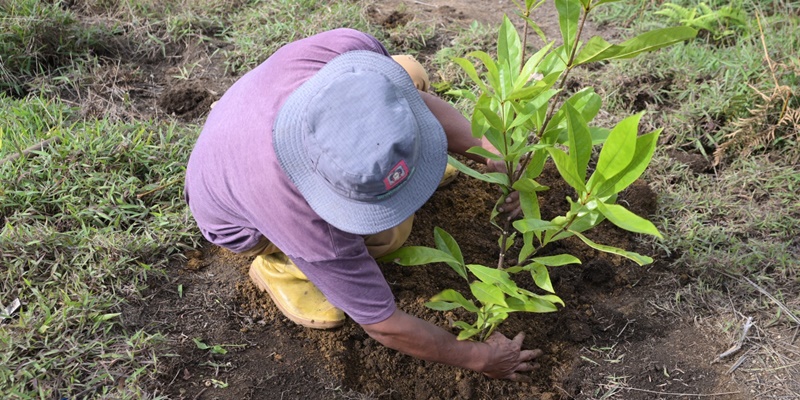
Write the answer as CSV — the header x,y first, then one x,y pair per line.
x,y
360,217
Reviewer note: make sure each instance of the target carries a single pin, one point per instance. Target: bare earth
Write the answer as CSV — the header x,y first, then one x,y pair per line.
x,y
618,333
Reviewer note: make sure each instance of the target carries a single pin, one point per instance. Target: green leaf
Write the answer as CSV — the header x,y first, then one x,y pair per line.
x,y
529,92
567,168
488,275
654,40
599,135
491,178
528,70
569,12
582,223
462,93
529,203
527,249
536,165
417,255
555,62
452,297
491,67
496,277
541,277
487,294
645,147
549,298
597,49
200,345
557,261
442,305
533,225
604,2
625,219
446,243
619,148
636,257
106,317
468,333
467,66
528,185
536,305
494,120
508,46
586,101
580,141
484,153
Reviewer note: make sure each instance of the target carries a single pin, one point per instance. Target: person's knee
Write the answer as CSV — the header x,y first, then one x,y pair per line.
x,y
414,70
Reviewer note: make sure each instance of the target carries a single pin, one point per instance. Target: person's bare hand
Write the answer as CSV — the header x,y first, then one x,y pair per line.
x,y
507,359
510,207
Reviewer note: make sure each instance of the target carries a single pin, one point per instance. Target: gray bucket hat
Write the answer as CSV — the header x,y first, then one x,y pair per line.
x,y
360,144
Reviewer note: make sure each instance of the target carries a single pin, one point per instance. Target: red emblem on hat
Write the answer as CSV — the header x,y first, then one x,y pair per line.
x,y
398,174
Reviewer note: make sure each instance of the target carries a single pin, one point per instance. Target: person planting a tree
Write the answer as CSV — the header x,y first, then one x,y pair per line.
x,y
315,163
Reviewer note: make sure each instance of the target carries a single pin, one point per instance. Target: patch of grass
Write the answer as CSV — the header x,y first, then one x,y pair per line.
x,y
85,224
39,38
448,74
743,221
259,30
705,87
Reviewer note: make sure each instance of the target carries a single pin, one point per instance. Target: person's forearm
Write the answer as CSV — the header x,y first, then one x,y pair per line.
x,y
456,127
417,338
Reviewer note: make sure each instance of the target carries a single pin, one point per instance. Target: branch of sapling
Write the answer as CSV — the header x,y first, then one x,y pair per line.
x,y
554,102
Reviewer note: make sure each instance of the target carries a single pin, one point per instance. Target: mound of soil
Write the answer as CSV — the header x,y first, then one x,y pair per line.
x,y
614,335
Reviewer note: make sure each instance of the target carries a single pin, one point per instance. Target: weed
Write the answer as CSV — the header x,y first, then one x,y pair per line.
x,y
76,242
716,25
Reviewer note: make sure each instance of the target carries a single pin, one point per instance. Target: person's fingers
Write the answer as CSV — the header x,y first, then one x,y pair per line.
x,y
515,377
524,367
517,211
518,340
510,205
527,355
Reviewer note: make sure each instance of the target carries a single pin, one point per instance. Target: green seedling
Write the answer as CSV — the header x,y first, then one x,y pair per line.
x,y
215,349
727,21
521,109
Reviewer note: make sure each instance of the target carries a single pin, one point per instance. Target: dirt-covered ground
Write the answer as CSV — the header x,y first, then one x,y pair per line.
x,y
617,326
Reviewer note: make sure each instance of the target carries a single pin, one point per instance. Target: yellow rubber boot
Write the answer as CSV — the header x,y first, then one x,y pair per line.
x,y
296,297
450,174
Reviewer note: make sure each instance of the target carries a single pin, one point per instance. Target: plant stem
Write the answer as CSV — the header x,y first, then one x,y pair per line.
x,y
526,15
503,238
552,109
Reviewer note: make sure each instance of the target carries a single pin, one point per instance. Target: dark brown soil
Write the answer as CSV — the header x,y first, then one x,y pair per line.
x,y
614,332
616,337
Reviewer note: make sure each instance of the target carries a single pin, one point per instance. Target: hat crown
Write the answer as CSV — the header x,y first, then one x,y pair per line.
x,y
361,135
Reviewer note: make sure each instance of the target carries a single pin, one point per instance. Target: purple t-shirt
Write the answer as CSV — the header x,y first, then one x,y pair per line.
x,y
237,191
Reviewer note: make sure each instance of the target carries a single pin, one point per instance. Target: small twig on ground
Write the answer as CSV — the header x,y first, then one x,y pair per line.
x,y
170,183
783,307
200,393
738,363
424,4
780,305
30,150
738,346
680,394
